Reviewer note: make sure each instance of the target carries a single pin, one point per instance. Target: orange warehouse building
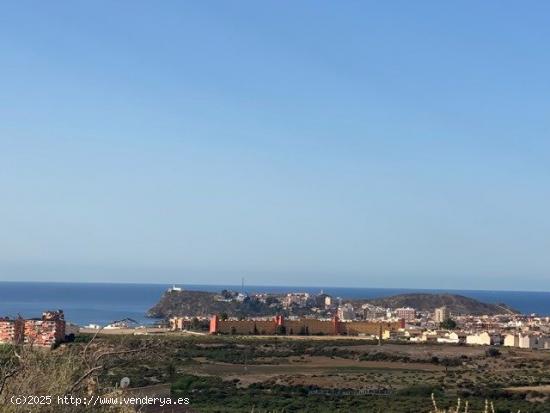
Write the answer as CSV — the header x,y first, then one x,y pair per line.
x,y
304,326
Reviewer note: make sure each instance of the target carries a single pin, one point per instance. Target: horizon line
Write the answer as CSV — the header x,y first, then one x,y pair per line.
x,y
270,285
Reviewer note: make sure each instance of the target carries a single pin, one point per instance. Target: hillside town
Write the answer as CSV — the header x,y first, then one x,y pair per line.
x,y
334,316
325,316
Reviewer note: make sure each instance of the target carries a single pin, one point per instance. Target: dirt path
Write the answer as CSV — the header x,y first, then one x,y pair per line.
x,y
315,364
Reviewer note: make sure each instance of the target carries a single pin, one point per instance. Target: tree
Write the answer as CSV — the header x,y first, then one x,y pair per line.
x,y
224,316
171,370
492,352
79,370
195,324
448,324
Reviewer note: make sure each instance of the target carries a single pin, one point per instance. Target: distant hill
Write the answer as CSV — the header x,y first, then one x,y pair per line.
x,y
457,304
201,303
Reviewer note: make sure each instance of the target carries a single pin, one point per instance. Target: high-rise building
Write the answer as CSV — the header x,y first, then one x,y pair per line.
x,y
441,314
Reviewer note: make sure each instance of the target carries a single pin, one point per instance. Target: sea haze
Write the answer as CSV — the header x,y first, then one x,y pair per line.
x,y
102,303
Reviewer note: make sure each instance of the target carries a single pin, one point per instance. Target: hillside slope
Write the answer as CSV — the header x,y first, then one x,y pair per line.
x,y
201,303
457,304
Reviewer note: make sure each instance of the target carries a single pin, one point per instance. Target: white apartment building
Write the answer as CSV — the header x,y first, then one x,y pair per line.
x,y
451,337
530,341
483,339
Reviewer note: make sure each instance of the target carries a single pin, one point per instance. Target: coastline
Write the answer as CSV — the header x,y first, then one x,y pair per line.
x,y
101,303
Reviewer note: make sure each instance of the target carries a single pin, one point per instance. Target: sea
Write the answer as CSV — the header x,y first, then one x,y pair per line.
x,y
103,303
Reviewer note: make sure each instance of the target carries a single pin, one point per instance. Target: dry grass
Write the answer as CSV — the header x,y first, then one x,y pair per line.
x,y
64,371
461,407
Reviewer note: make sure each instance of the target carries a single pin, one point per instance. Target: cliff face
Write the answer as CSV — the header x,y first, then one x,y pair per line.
x,y
200,303
457,304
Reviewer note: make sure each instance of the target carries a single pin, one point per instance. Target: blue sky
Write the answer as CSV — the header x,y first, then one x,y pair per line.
x,y
304,143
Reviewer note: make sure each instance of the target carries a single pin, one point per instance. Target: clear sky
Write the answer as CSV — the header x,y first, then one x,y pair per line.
x,y
306,143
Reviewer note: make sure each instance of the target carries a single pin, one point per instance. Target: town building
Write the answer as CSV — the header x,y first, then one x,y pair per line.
x,y
406,313
346,312
484,338
46,331
174,289
527,340
451,337
441,314
323,300
11,331
373,312
296,299
511,340
179,323
304,326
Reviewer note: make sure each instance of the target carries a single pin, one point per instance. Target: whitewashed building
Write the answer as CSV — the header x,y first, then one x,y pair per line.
x,y
511,340
483,339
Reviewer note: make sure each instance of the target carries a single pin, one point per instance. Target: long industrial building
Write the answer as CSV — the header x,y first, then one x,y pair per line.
x,y
304,326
